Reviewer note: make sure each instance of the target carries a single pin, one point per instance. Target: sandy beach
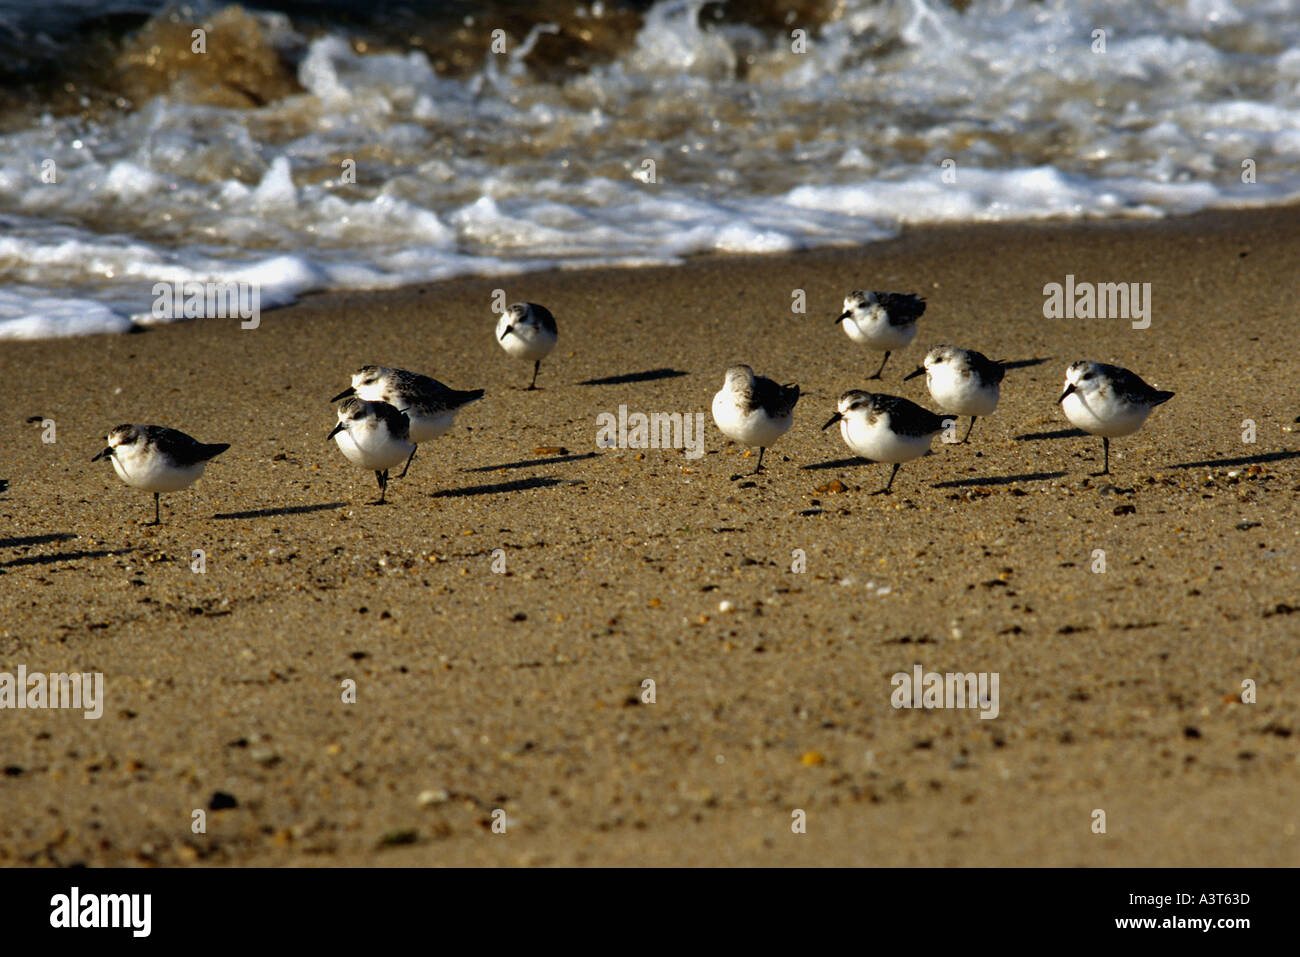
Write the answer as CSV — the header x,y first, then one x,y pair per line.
x,y
521,689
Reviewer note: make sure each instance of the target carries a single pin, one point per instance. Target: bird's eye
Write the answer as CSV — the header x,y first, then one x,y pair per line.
x,y
1088,376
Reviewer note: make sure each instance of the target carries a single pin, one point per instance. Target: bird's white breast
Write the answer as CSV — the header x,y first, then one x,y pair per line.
x,y
151,472
960,394
873,329
879,443
425,428
754,427
524,341
1105,415
372,446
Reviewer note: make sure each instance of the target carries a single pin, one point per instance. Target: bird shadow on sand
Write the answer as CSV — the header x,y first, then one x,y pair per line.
x,y
36,539
1022,363
647,376
63,557
1058,434
1000,480
837,464
528,463
1244,460
287,510
516,486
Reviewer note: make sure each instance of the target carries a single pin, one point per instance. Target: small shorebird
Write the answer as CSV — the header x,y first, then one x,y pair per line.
x,y
1108,401
885,428
157,459
430,406
373,435
527,331
881,320
962,381
753,410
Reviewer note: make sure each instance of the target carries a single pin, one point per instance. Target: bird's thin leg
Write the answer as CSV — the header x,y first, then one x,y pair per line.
x,y
1105,447
890,483
382,479
972,426
536,365
881,369
408,461
759,467
156,518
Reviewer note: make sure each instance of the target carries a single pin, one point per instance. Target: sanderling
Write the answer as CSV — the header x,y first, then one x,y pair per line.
x,y
157,459
374,435
527,331
1107,401
753,410
885,428
430,406
881,320
962,381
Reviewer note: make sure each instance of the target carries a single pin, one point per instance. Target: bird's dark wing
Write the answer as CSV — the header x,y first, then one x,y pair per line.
x,y
1130,387
908,418
182,449
399,426
544,317
776,400
988,370
416,383
901,307
429,395
452,399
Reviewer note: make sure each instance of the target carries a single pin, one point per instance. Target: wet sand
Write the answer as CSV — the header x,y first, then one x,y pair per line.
x,y
521,690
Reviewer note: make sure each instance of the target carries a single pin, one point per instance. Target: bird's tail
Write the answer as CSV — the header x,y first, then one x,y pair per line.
x,y
213,450
1161,397
464,398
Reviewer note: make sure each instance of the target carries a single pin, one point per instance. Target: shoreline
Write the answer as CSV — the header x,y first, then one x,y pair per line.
x,y
520,689
915,239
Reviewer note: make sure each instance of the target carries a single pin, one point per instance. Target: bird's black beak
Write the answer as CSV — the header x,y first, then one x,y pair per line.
x,y
842,317
505,332
920,370
334,431
1068,389
834,418
344,394
104,454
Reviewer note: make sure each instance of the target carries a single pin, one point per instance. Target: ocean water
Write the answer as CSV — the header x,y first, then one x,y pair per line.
x,y
339,145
